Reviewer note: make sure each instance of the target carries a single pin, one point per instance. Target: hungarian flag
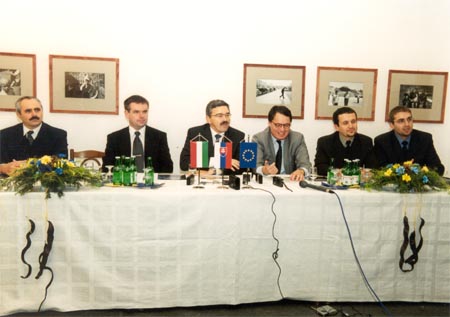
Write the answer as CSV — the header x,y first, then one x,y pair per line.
x,y
247,154
223,153
199,154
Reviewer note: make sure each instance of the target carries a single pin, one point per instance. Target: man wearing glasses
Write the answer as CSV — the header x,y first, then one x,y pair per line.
x,y
403,143
281,150
217,129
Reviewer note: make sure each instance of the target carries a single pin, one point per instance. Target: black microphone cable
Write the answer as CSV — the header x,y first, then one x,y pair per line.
x,y
366,281
275,253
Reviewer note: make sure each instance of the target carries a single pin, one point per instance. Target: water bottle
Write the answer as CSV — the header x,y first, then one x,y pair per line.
x,y
331,175
347,177
149,173
127,178
117,171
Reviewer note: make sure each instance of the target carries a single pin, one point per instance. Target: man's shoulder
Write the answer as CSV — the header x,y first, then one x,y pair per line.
x,y
153,131
364,138
53,129
384,136
11,129
420,134
118,132
234,131
203,127
327,138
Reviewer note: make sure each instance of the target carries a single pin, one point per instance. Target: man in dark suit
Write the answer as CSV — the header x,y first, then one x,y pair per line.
x,y
138,134
31,138
281,150
344,143
403,143
218,124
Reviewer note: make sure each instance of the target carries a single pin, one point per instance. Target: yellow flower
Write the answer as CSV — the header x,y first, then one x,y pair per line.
x,y
70,164
406,178
46,159
388,172
395,166
425,169
408,163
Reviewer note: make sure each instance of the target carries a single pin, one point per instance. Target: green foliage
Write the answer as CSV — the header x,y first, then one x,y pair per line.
x,y
51,173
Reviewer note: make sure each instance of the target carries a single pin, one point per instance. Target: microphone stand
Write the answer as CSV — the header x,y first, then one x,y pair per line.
x,y
198,181
223,186
246,178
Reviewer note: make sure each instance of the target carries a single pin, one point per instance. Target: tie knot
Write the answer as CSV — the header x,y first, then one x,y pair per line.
x,y
217,136
29,136
348,143
405,145
279,142
137,133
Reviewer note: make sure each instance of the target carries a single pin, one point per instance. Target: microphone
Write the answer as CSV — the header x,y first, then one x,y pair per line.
x,y
304,184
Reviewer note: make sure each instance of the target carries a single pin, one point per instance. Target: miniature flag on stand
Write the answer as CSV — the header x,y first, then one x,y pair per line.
x,y
247,154
223,152
199,154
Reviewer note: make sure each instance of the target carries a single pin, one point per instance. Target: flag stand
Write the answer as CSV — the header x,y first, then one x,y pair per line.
x,y
198,181
223,186
246,177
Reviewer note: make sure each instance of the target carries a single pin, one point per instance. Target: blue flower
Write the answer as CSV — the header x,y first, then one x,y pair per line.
x,y
59,171
400,170
415,169
424,179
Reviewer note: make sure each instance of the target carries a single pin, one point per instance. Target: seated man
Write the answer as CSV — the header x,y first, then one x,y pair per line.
x,y
138,139
403,143
281,150
31,138
218,125
344,143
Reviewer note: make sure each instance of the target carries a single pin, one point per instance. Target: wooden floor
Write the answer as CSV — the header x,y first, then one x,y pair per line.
x,y
276,309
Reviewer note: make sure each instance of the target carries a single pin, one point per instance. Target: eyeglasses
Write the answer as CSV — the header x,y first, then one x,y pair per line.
x,y
281,125
221,115
403,120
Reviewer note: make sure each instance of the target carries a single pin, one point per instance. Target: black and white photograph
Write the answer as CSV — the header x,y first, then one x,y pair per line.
x,y
346,87
413,96
17,78
10,82
85,85
277,92
345,94
80,84
268,85
424,92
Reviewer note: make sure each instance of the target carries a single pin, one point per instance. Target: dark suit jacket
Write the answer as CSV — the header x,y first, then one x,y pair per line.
x,y
118,143
234,135
15,146
330,146
421,149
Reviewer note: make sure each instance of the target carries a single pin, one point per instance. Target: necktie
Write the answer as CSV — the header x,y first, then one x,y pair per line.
x,y
348,143
404,151
29,137
279,157
217,136
138,152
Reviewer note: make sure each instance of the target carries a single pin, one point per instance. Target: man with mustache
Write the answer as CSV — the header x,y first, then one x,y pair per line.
x,y
344,143
218,125
281,150
403,143
31,138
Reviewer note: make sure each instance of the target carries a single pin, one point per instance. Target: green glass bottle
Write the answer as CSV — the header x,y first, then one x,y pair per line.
x,y
117,171
347,178
331,175
149,173
127,172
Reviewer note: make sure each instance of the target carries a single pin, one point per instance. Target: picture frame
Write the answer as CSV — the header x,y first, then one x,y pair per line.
x,y
17,78
344,86
88,85
424,92
269,85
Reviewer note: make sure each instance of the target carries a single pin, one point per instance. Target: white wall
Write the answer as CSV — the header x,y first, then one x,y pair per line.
x,y
181,54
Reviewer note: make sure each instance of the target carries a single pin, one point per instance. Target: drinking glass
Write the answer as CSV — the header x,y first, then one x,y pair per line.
x,y
313,175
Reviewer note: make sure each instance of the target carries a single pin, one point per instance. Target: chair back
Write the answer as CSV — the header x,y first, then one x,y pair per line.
x,y
87,156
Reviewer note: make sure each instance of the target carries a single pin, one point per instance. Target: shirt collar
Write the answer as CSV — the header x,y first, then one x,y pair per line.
x,y
35,131
400,140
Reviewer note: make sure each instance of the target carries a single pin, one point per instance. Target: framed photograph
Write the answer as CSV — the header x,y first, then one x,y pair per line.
x,y
268,85
84,84
423,92
17,78
346,87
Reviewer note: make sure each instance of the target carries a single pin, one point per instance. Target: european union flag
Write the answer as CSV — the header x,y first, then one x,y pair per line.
x,y
247,154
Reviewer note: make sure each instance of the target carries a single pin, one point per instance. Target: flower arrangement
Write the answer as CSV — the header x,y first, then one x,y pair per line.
x,y
408,177
54,174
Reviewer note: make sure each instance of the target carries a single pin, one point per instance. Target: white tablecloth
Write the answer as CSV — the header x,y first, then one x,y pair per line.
x,y
180,246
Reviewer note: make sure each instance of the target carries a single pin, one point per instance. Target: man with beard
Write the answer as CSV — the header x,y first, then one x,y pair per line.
x,y
31,138
217,129
344,143
281,150
138,139
403,143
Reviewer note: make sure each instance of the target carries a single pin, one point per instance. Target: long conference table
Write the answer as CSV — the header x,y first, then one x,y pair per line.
x,y
177,245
